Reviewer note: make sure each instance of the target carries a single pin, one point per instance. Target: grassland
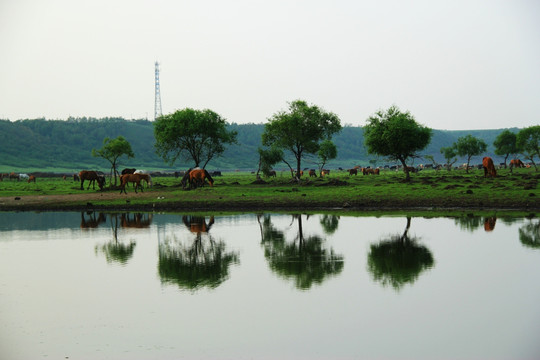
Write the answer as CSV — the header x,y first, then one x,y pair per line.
x,y
428,190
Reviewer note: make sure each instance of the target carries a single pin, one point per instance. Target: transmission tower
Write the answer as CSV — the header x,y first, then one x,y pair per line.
x,y
157,101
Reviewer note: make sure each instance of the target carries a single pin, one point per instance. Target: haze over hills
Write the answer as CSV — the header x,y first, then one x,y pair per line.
x,y
66,145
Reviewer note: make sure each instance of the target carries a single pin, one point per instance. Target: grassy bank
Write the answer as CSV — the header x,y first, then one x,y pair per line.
x,y
428,189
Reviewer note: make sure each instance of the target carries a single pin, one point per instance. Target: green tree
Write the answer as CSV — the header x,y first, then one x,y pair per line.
x,y
469,146
505,144
396,135
112,150
300,130
450,155
268,158
327,151
198,135
528,143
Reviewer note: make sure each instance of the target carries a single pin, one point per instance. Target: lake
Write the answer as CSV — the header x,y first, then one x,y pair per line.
x,y
268,286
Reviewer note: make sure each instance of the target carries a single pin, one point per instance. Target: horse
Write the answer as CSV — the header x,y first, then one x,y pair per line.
x,y
312,173
516,163
198,176
32,178
91,176
128,171
14,176
353,172
197,224
134,178
139,220
76,177
489,223
325,172
489,168
272,173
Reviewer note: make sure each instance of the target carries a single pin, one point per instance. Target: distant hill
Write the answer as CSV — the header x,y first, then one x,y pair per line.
x,y
66,145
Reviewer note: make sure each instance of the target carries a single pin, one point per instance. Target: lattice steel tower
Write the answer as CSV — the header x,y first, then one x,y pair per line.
x,y
157,101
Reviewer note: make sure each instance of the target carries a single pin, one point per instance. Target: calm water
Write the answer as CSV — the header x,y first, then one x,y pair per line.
x,y
272,286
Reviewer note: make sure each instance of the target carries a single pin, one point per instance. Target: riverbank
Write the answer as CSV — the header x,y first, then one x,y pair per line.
x,y
239,192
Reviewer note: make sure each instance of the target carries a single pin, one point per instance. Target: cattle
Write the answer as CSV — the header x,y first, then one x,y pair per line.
x,y
489,168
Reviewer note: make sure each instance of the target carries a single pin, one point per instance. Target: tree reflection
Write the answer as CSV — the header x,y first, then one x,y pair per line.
x,y
529,234
398,260
304,260
329,223
194,264
115,250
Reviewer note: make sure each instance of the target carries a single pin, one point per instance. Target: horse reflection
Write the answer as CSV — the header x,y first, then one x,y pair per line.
x,y
89,219
137,220
489,223
197,224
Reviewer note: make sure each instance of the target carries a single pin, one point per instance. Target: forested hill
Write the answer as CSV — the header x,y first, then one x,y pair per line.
x,y
58,145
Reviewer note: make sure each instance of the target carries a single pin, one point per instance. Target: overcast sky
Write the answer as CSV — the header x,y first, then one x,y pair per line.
x,y
457,64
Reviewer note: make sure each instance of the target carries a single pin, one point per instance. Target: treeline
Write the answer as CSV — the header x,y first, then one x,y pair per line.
x,y
66,145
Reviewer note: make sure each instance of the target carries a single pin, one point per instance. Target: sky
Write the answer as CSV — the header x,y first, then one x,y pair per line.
x,y
454,65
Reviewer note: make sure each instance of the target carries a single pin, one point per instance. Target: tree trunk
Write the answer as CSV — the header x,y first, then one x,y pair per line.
x,y
407,176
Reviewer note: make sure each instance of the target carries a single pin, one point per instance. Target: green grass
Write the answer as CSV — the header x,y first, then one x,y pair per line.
x,y
236,190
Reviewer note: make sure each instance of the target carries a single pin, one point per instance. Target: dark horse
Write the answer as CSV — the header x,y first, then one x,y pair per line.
x,y
128,171
92,176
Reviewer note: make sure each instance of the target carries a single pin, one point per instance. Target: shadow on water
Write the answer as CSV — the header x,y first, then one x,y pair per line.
x,y
399,259
195,262
304,260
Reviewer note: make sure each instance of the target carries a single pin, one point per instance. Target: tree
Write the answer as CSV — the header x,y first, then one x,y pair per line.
x,y
268,158
300,130
528,143
112,150
469,146
327,151
396,135
450,156
198,135
505,144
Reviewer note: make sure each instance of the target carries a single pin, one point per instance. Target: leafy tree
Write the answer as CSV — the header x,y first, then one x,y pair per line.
x,y
505,144
112,150
396,135
199,135
268,158
528,143
327,151
469,146
300,129
450,155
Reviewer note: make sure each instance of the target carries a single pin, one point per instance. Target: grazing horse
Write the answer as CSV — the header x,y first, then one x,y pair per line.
x,y
91,176
197,177
312,173
272,173
325,172
489,168
32,178
516,163
136,179
14,176
353,172
76,177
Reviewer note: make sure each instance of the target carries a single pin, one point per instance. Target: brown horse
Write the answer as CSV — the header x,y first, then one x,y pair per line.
x,y
489,168
136,179
32,178
312,173
91,176
516,163
198,176
353,172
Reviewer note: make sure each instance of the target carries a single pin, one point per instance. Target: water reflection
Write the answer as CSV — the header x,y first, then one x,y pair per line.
x,y
116,251
471,222
329,223
529,234
194,263
399,259
89,220
304,260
